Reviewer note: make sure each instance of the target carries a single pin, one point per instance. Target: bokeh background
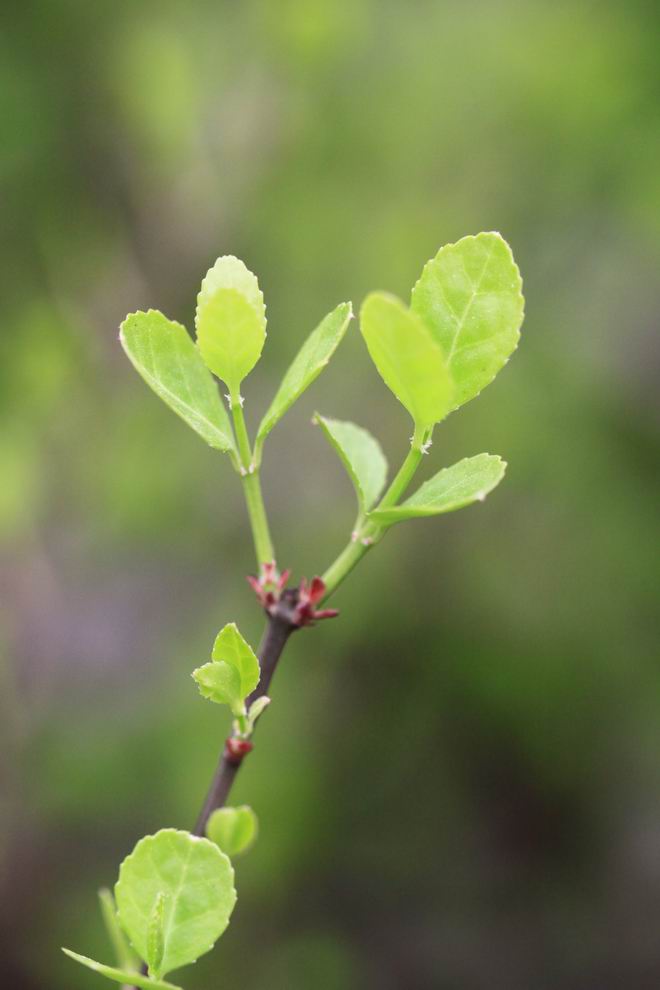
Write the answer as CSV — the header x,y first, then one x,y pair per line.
x,y
459,779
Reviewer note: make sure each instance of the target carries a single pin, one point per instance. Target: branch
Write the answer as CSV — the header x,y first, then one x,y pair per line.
x,y
279,627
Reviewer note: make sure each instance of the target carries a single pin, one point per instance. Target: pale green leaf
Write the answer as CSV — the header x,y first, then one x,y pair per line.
x,y
125,976
257,708
230,321
307,365
470,296
197,884
220,682
165,356
468,481
230,336
125,957
233,649
234,830
360,454
409,360
230,272
156,936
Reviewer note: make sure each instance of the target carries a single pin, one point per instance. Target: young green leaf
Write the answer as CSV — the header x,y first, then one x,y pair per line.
x,y
257,709
233,673
230,272
125,957
231,647
156,936
307,365
361,455
468,481
230,321
125,976
220,682
164,355
197,884
470,297
409,360
234,830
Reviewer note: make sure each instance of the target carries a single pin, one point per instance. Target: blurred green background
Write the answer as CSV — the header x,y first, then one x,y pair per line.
x,y
459,779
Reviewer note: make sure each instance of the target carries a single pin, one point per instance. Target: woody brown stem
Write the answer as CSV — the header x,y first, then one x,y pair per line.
x,y
279,627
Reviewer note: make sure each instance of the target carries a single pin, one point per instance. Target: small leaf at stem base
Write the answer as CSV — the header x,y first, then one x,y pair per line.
x,y
234,830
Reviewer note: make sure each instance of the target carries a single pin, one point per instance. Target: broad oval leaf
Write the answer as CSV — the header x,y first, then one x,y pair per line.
x,y
196,882
162,352
470,296
126,976
361,455
234,830
230,335
465,482
307,365
220,682
409,360
231,647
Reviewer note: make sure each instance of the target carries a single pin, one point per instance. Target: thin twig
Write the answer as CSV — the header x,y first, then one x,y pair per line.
x,y
278,629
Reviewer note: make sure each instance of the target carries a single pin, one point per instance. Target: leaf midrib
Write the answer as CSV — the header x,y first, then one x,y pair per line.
x,y
475,292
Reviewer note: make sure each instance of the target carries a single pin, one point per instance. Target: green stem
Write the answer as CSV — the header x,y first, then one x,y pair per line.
x,y
405,473
344,564
242,439
370,533
263,545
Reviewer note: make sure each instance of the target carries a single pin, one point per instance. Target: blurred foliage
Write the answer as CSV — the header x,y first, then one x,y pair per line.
x,y
480,808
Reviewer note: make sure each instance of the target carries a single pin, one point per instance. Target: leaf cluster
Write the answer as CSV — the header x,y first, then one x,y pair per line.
x,y
435,354
175,892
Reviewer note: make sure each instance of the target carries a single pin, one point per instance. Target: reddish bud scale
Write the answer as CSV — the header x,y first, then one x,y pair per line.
x,y
308,598
269,589
236,750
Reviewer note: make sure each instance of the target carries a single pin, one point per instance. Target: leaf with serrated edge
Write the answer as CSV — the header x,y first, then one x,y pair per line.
x,y
164,355
307,365
220,682
407,357
468,481
234,830
230,272
361,455
230,320
470,296
231,647
197,881
124,976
